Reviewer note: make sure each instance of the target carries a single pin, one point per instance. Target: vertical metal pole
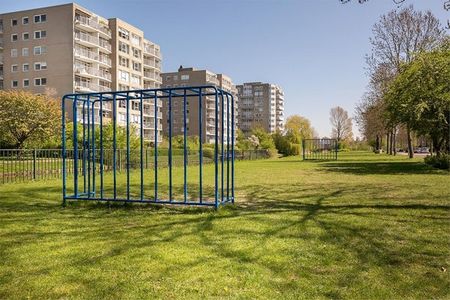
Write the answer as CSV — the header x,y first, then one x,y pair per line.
x,y
114,145
156,145
84,146
89,146
185,147
222,131
228,147
128,146
170,145
75,146
200,131
141,139
232,148
93,148
101,147
216,152
63,140
303,149
34,159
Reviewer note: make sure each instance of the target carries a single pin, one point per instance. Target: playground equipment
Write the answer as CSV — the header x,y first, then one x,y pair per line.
x,y
88,160
320,149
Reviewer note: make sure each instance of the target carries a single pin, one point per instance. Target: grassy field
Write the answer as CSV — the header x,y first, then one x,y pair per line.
x,y
363,227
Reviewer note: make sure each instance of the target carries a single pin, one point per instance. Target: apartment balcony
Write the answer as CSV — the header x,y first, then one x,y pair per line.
x,y
92,56
1,43
1,59
89,40
148,50
92,24
90,87
1,28
1,74
152,64
151,125
92,72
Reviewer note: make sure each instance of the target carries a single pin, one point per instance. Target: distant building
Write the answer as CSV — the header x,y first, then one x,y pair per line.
x,y
260,104
193,77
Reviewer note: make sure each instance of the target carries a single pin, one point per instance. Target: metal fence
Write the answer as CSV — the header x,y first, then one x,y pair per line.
x,y
24,165
320,149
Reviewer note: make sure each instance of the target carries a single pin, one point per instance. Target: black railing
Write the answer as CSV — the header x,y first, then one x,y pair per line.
x,y
23,165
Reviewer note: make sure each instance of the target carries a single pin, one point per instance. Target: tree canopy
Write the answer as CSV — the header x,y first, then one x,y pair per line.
x,y
27,119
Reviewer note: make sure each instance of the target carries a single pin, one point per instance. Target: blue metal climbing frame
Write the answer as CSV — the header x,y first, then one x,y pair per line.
x,y
138,179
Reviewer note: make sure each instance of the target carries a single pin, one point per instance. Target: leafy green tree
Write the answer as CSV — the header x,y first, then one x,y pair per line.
x,y
264,138
298,128
419,97
28,119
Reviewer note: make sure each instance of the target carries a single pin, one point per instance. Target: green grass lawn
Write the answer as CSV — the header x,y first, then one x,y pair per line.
x,y
363,227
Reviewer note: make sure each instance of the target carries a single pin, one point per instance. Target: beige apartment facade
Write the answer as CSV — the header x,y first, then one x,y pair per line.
x,y
193,77
66,48
260,104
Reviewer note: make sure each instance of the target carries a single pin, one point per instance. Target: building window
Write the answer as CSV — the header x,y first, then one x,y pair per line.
x,y
40,81
184,77
25,36
40,34
38,66
124,76
25,52
26,83
25,67
14,37
40,18
136,53
123,33
124,47
14,22
25,20
38,50
14,83
136,66
124,62
14,68
14,52
135,79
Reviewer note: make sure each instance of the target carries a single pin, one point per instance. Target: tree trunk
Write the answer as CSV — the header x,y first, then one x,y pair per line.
x,y
391,142
394,141
410,148
387,142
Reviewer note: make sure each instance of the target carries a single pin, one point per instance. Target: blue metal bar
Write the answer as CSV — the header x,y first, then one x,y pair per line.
x,y
232,148
216,152
128,147
88,155
185,146
141,134
114,109
174,202
84,147
75,146
101,147
228,147
63,140
170,145
156,145
93,148
222,115
200,131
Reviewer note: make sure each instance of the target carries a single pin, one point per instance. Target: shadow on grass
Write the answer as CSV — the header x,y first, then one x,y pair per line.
x,y
388,168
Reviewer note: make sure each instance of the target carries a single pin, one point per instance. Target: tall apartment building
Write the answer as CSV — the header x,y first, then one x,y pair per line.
x,y
260,104
66,48
193,77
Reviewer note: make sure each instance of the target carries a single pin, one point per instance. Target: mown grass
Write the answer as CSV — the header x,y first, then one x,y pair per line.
x,y
362,227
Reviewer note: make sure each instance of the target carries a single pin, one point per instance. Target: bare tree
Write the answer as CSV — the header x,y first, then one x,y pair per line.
x,y
397,37
341,124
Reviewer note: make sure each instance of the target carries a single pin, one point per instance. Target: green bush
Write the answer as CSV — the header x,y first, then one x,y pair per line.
x,y
441,161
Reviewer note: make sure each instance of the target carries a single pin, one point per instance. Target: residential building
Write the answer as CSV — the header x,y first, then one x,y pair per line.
x,y
66,49
193,77
260,104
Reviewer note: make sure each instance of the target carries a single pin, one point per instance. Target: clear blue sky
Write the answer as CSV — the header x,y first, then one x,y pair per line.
x,y
314,49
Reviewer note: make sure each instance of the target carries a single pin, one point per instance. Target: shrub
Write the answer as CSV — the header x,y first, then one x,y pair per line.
x,y
441,161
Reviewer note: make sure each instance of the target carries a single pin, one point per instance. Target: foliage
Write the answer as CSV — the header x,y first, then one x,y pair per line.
x,y
27,119
298,128
287,144
439,161
264,139
420,96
